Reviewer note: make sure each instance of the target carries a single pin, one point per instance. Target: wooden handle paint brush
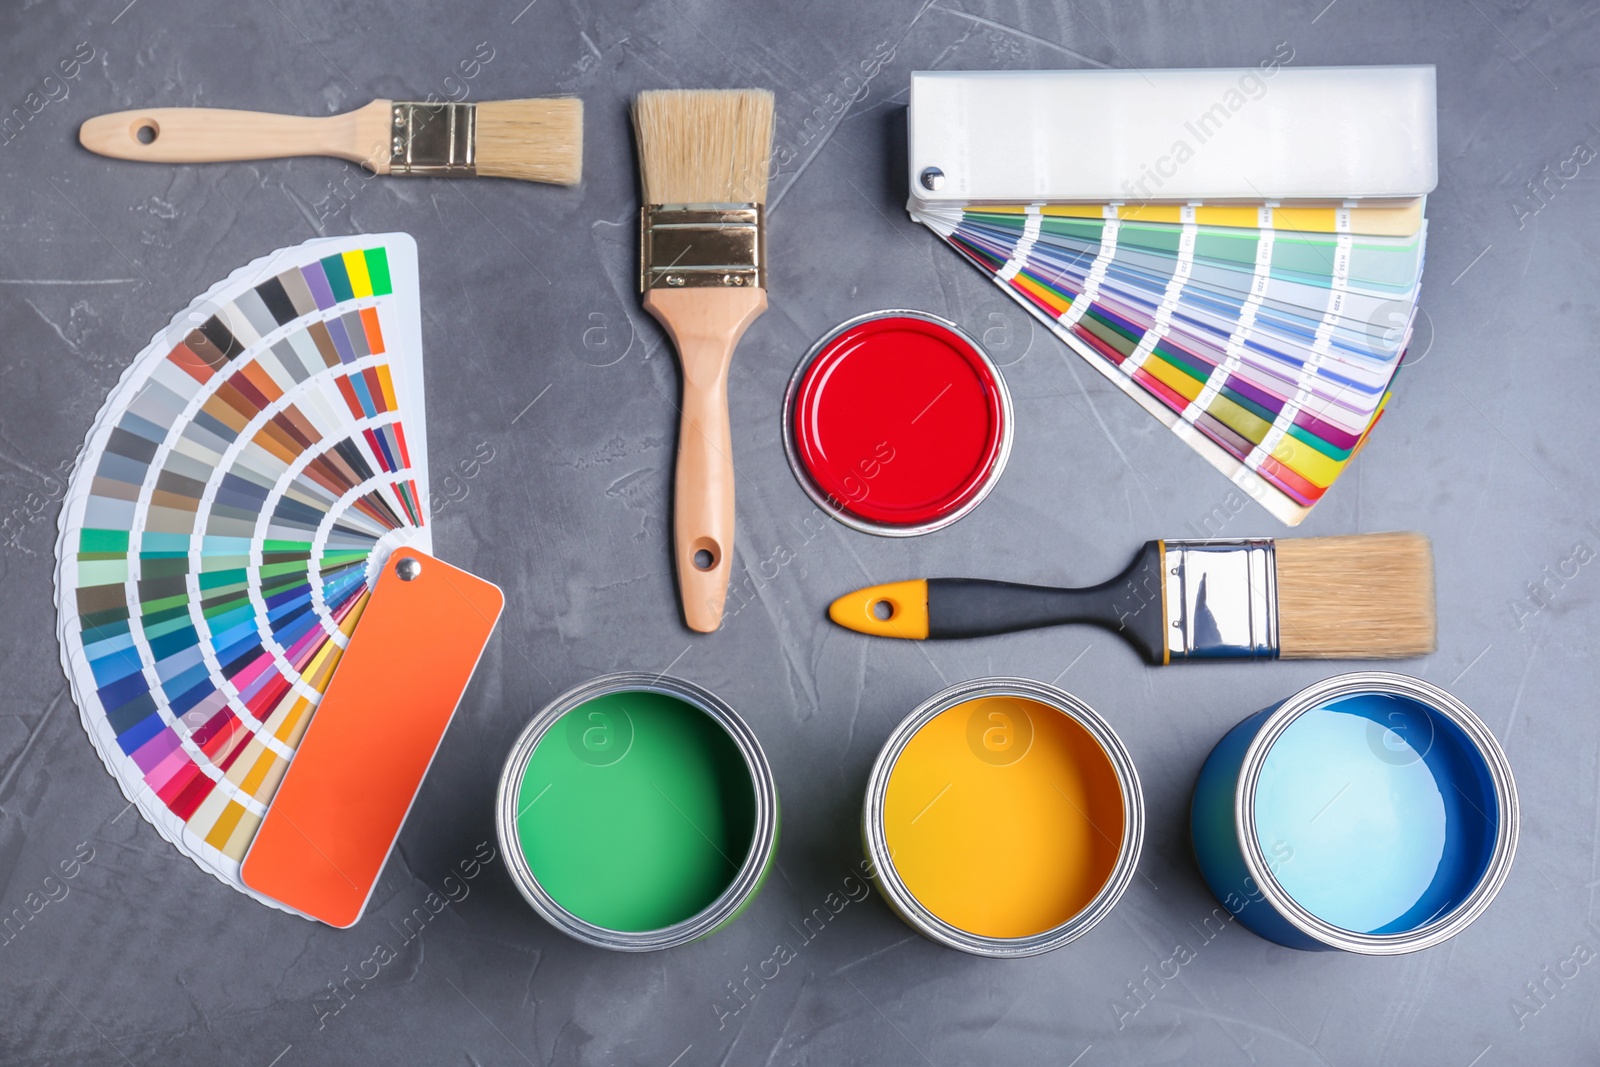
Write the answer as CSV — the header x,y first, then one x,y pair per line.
x,y
703,157
537,140
1365,596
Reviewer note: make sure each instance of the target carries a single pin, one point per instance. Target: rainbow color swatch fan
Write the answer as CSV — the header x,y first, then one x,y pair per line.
x,y
1264,319
253,468
1270,350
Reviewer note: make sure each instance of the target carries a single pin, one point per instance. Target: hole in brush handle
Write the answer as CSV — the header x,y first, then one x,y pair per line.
x,y
705,554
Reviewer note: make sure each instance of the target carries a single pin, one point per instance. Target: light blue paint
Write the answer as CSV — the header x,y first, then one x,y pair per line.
x,y
1375,813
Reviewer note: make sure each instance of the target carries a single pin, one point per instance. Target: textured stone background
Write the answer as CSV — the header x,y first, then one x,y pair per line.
x,y
529,299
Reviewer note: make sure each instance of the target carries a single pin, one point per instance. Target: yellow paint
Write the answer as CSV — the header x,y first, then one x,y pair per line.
x,y
1173,378
348,625
1003,817
294,722
320,668
389,402
1391,218
908,610
1310,464
259,770
243,833
1242,216
1051,298
355,265
247,759
223,828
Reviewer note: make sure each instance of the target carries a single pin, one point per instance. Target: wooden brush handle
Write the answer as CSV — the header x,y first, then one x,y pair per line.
x,y
213,135
705,325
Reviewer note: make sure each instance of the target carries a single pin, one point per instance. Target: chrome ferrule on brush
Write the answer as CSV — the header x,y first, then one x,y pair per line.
x,y
1222,599
692,246
433,140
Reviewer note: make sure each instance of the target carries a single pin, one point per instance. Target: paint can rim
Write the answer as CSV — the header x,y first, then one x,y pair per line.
x,y
739,891
840,511
918,917
1435,699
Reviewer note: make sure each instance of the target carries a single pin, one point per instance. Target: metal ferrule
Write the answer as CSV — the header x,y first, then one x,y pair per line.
x,y
1222,599
433,140
692,246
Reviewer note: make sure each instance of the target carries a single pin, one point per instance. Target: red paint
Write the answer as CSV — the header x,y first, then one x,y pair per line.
x,y
900,420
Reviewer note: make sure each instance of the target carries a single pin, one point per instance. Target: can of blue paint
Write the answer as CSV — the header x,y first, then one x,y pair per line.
x,y
1370,812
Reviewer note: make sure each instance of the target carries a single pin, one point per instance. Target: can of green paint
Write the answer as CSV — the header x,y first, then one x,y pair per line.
x,y
637,812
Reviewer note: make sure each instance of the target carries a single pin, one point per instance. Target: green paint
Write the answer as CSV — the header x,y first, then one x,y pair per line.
x,y
102,540
636,811
378,271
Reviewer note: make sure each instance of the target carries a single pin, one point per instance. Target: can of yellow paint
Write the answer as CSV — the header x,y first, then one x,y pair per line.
x,y
1004,818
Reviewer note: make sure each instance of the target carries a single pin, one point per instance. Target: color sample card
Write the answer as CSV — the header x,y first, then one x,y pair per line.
x,y
331,827
1266,336
256,464
1397,218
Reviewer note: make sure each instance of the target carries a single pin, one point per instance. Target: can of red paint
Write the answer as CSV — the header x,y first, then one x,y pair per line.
x,y
897,423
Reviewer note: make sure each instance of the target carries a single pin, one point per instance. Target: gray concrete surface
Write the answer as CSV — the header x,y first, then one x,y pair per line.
x,y
529,300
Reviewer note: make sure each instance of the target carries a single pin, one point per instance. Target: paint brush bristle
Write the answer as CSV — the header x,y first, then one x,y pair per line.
x,y
704,146
1367,596
533,140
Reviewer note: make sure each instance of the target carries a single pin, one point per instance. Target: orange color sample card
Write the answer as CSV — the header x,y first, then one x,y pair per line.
x,y
339,810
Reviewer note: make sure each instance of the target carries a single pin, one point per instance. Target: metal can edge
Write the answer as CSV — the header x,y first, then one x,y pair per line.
x,y
741,891
1318,932
837,510
906,906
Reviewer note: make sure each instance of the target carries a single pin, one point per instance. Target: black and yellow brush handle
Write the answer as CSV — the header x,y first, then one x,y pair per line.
x,y
1131,604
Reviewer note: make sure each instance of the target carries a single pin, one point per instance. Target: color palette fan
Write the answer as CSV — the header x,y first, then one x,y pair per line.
x,y
257,462
1266,336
